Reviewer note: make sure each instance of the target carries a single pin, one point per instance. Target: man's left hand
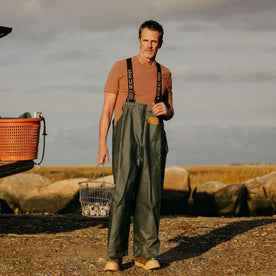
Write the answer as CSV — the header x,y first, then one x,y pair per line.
x,y
159,109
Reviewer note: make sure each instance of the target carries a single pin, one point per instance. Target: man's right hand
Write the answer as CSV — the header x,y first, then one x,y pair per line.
x,y
103,156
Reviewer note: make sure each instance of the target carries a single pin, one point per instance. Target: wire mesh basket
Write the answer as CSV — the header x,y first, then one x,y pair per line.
x,y
96,197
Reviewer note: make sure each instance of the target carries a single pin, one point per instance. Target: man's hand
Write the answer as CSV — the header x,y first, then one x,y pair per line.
x,y
159,109
103,156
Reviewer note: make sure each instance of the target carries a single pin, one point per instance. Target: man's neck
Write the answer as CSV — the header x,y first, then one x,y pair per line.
x,y
145,61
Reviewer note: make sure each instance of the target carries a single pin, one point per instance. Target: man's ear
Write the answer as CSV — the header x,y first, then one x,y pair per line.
x,y
139,41
160,44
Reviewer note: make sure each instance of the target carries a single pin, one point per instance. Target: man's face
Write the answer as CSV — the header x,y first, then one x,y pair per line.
x,y
149,43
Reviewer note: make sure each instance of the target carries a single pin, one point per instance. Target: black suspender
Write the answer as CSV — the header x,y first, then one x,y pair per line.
x,y
131,92
158,97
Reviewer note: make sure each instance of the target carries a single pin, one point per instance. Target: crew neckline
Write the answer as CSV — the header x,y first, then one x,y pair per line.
x,y
153,65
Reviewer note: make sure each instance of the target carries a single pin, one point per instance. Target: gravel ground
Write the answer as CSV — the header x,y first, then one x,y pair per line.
x,y
76,245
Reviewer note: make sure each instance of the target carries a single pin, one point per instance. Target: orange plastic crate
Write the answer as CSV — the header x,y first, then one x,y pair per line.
x,y
19,139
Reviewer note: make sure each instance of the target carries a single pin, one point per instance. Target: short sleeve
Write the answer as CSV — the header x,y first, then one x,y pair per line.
x,y
112,82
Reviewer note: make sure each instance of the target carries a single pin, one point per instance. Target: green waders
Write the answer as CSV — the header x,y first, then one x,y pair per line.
x,y
138,158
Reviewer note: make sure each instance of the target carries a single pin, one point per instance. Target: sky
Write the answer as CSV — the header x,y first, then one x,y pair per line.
x,y
221,53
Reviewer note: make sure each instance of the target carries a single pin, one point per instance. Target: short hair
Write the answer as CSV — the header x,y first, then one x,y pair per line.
x,y
152,25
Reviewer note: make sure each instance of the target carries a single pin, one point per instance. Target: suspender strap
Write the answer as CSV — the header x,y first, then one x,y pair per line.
x,y
131,92
158,97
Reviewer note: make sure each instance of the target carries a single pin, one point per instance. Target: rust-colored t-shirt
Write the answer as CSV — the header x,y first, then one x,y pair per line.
x,y
145,81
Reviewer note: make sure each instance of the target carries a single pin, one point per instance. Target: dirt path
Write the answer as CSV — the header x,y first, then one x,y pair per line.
x,y
75,245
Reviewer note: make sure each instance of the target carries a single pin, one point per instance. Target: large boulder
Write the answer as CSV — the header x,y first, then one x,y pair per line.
x,y
14,188
176,191
210,187
215,198
261,195
33,193
177,179
269,183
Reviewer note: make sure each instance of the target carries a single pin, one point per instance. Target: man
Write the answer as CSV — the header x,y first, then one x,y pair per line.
x,y
138,91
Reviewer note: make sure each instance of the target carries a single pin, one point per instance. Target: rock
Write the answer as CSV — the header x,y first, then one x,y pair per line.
x,y
177,179
33,193
216,198
176,191
261,195
230,200
255,197
16,187
269,181
204,197
210,187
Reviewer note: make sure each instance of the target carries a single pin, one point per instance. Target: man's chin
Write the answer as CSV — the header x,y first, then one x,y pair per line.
x,y
149,56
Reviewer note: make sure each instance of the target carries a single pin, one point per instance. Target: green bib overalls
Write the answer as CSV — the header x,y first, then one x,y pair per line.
x,y
139,149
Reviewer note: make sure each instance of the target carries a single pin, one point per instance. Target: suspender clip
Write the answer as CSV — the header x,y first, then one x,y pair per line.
x,y
131,97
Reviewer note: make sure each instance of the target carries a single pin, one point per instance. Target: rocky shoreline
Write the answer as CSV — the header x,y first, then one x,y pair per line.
x,y
36,194
76,245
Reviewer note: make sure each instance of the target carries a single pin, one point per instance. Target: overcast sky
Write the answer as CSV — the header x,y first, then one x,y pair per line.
x,y
221,54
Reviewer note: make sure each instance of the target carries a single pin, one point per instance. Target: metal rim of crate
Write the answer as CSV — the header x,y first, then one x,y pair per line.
x,y
97,185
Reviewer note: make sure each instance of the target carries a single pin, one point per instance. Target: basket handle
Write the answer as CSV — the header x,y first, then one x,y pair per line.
x,y
95,173
37,165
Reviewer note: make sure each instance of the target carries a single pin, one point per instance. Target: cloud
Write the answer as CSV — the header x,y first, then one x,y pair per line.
x,y
232,14
225,75
224,44
72,54
47,18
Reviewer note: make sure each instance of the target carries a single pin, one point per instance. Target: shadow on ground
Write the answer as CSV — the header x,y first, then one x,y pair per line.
x,y
190,247
46,224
